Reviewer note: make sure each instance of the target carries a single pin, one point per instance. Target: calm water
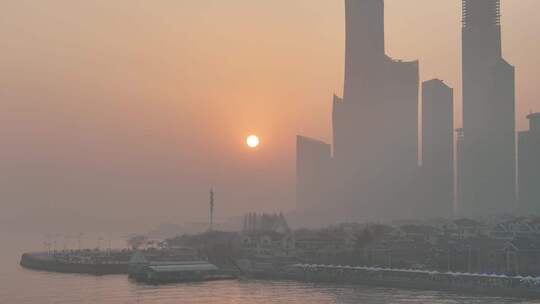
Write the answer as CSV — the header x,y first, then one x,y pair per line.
x,y
18,285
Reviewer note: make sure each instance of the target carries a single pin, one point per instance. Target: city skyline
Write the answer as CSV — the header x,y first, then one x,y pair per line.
x,y
374,170
80,102
283,151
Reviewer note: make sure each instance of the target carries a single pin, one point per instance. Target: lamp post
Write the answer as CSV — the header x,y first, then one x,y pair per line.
x,y
449,268
211,209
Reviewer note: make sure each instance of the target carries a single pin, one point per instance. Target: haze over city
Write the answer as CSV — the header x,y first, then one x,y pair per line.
x,y
287,151
127,112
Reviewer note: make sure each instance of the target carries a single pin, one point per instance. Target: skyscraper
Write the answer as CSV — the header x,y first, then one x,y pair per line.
x,y
313,161
364,47
375,124
529,166
488,114
437,148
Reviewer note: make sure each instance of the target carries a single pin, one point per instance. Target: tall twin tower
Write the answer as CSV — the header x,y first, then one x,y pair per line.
x,y
372,171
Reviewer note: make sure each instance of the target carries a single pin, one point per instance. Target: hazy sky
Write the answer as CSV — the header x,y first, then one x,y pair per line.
x,y
131,109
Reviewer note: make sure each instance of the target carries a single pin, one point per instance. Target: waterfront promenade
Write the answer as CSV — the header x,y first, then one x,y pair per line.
x,y
468,283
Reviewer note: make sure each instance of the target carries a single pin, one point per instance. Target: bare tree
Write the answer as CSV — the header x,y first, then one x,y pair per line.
x,y
136,241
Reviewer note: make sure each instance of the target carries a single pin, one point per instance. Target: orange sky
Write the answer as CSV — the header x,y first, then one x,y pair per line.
x,y
109,105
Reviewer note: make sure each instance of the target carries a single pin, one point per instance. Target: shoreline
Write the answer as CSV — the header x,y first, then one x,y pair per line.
x,y
460,283
43,261
325,274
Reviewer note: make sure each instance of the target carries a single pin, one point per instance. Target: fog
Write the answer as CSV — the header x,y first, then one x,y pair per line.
x,y
120,115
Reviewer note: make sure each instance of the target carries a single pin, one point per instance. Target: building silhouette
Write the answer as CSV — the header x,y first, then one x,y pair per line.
x,y
375,125
488,175
529,166
264,222
437,148
371,171
313,164
374,166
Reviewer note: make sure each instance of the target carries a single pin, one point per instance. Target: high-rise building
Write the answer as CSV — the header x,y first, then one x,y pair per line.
x,y
489,181
529,166
364,48
375,124
313,164
437,148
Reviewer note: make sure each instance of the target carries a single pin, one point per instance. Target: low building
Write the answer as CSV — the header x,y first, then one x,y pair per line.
x,y
418,233
465,228
517,227
179,273
325,245
266,236
179,256
397,252
522,256
219,247
269,244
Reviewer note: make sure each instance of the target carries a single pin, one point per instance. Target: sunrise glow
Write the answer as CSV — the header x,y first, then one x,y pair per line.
x,y
253,141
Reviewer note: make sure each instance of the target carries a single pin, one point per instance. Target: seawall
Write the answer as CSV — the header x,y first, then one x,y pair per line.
x,y
48,262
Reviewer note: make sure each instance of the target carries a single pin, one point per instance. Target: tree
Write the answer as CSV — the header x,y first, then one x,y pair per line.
x,y
363,238
136,241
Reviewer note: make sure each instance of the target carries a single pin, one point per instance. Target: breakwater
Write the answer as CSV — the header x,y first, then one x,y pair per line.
x,y
90,263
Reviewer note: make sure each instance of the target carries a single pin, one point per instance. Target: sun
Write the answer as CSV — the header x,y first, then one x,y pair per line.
x,y
253,141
